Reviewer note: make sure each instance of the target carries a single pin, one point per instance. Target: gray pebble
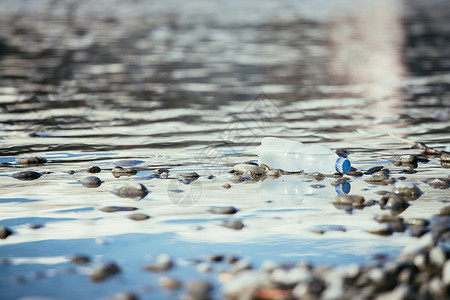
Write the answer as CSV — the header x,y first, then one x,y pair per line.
x,y
199,289
243,168
27,175
188,175
162,263
233,224
273,173
404,159
226,210
348,199
91,182
138,217
120,171
169,283
5,232
373,170
118,208
104,271
133,190
394,202
408,190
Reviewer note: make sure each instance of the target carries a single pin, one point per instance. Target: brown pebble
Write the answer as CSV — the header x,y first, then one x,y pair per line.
x,y
138,217
94,169
80,259
226,210
384,231
438,183
226,186
161,171
110,209
445,211
5,232
378,177
104,271
273,173
33,160
164,175
348,199
445,157
169,283
120,171
408,190
388,218
404,159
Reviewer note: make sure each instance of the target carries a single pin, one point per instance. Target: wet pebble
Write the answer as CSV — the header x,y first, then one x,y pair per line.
x,y
199,289
5,232
233,224
162,263
394,202
104,271
120,171
132,190
162,170
27,175
94,169
225,210
407,189
32,160
404,159
445,157
378,177
164,175
169,283
274,173
383,231
80,259
348,199
445,211
138,217
373,170
243,168
438,183
124,296
317,176
189,175
227,186
110,209
91,182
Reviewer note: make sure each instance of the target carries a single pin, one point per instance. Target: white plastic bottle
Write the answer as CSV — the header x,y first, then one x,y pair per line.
x,y
294,156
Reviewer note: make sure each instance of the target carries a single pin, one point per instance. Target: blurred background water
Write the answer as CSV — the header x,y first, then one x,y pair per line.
x,y
194,86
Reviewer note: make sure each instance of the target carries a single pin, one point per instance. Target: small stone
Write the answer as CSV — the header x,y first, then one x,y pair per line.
x,y
161,170
104,271
373,170
408,190
94,169
445,157
378,177
445,211
394,202
388,219
199,289
5,232
33,160
348,199
233,224
169,283
91,182
227,186
132,190
437,256
26,175
216,258
317,176
242,168
80,259
384,231
189,175
138,217
273,173
120,171
110,209
164,175
162,263
404,159
265,167
226,210
416,222
124,296
438,183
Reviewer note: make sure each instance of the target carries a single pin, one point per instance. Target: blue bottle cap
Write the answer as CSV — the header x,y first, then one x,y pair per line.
x,y
342,165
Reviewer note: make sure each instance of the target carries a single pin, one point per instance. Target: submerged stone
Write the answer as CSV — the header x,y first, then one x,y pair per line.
x,y
27,175
91,182
408,190
131,190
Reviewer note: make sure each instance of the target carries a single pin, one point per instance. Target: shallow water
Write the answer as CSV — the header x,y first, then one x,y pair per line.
x,y
195,87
